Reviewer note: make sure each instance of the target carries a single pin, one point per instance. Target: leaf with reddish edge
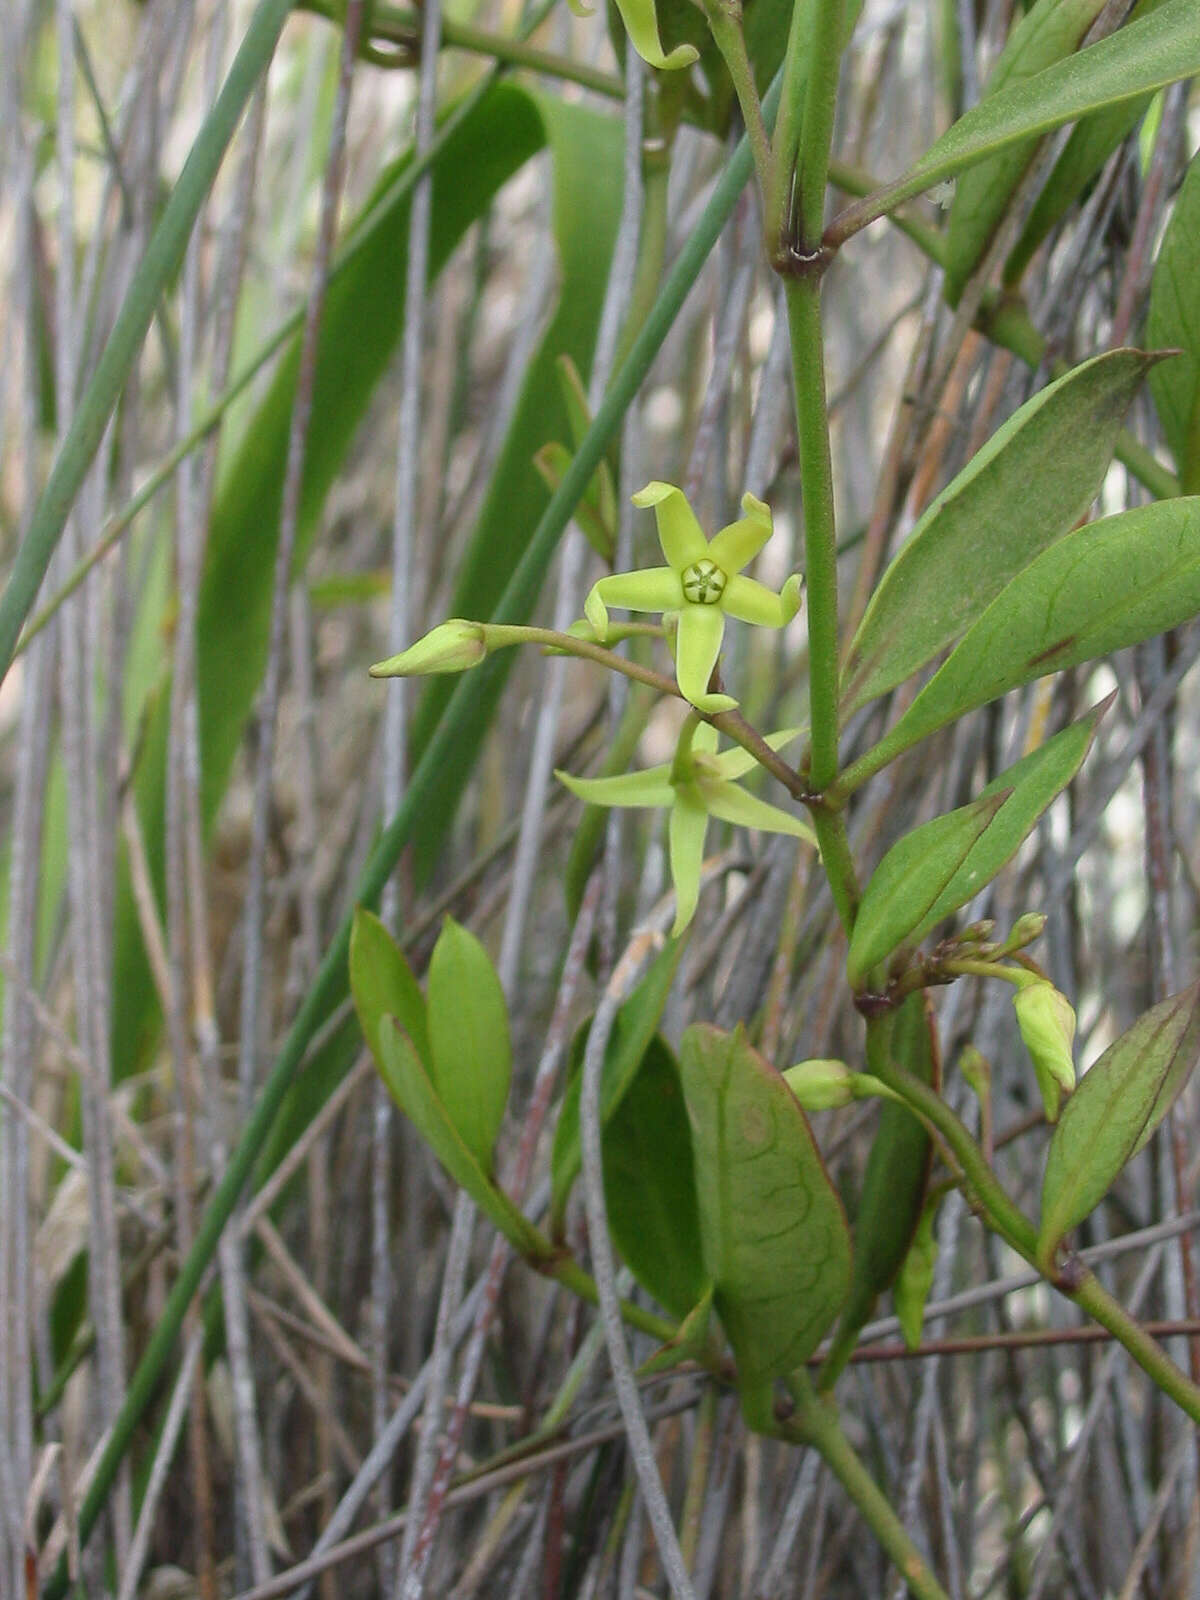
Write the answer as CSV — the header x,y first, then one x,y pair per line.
x,y
773,1231
1113,1113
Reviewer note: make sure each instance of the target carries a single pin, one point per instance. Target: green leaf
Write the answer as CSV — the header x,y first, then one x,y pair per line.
x,y
1086,151
1137,59
1174,318
1106,586
1050,31
633,1030
1029,485
1112,1114
469,1039
910,881
1031,784
649,1187
410,1086
895,1180
383,984
775,1241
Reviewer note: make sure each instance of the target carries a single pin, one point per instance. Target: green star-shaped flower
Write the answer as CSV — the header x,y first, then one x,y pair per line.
x,y
696,785
701,586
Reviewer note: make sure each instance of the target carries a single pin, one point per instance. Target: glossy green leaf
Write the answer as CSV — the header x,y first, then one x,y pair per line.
x,y
1031,784
1174,318
1050,31
774,1235
1137,59
1086,151
1114,1111
1029,485
383,984
895,1180
649,1187
632,1032
910,881
470,1047
411,1088
1106,586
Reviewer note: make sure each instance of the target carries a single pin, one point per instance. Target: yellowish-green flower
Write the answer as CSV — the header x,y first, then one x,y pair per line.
x,y
696,785
700,586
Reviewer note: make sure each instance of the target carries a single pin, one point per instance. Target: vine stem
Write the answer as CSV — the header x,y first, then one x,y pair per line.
x,y
816,131
1006,1219
725,24
803,296
815,1423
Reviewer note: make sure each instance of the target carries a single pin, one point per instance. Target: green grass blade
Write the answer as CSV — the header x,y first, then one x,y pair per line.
x,y
158,266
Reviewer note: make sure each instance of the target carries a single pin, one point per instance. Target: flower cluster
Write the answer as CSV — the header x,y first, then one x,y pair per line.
x,y
701,585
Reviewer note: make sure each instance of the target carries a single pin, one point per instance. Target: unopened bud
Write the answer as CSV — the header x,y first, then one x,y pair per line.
x,y
821,1085
451,647
1024,931
978,932
1047,1023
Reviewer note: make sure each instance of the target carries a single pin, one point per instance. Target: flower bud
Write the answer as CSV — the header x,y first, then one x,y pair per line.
x,y
821,1085
1047,1023
451,647
1024,931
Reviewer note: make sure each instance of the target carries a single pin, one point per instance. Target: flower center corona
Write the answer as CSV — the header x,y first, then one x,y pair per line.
x,y
703,583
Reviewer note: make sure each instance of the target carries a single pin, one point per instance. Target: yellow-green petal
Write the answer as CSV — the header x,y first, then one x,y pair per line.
x,y
648,788
655,589
741,541
685,834
736,763
641,24
681,536
731,804
751,601
697,646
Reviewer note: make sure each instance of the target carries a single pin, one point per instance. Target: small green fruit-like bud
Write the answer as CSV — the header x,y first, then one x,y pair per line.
x,y
451,647
821,1085
1047,1023
1025,930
